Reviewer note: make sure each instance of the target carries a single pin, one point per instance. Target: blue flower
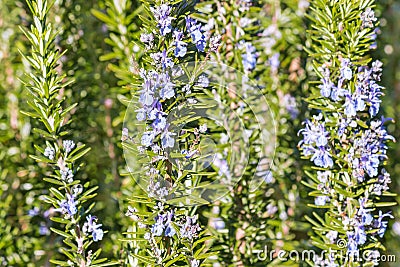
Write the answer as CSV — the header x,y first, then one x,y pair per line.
x,y
368,18
170,230
167,90
321,200
382,225
326,87
162,60
249,58
147,138
91,226
163,222
49,152
322,158
352,247
157,229
141,114
189,229
146,97
68,146
374,98
196,33
291,106
274,62
162,15
345,70
315,143
360,236
350,107
180,47
167,139
203,81
68,206
159,123
97,235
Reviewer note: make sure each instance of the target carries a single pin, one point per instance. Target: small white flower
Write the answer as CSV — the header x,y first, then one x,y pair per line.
x,y
203,128
67,175
147,236
49,152
68,145
194,263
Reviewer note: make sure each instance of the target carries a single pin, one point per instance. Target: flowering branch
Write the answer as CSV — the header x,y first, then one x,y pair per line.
x,y
345,140
167,232
67,194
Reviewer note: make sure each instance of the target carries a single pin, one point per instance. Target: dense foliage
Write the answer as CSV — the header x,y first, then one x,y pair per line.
x,y
199,133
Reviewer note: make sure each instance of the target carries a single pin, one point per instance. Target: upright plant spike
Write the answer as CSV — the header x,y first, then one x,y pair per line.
x,y
166,233
345,140
67,194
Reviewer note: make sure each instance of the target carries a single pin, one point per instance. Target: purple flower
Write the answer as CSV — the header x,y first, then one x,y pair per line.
x,y
321,200
315,142
180,47
162,16
195,30
274,62
68,206
167,139
345,70
147,138
249,58
68,146
368,18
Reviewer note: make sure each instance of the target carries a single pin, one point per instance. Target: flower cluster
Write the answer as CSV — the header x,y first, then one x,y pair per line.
x,y
167,223
91,226
361,224
197,33
249,58
315,142
162,16
68,206
158,84
49,152
368,151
